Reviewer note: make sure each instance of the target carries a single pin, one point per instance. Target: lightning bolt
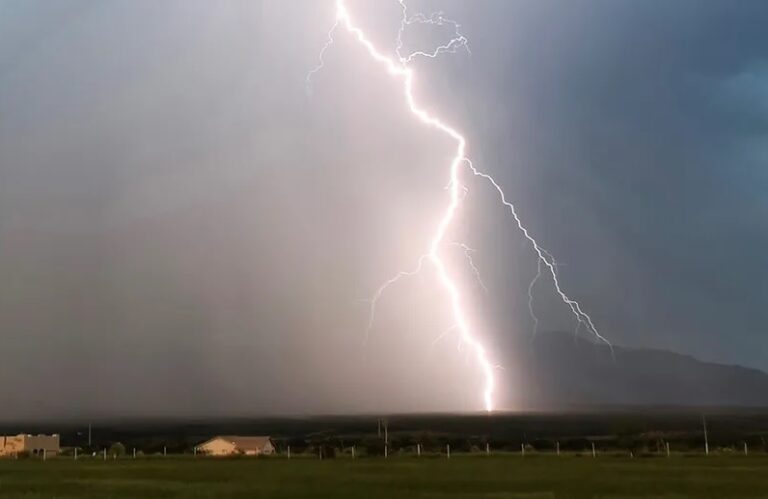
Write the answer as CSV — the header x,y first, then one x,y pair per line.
x,y
458,41
471,262
531,285
398,68
534,317
321,57
544,257
379,292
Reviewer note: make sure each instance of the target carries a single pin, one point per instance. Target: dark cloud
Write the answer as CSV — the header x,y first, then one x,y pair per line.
x,y
631,133
182,230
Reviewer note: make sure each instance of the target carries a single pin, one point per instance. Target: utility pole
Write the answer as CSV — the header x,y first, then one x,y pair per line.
x,y
706,436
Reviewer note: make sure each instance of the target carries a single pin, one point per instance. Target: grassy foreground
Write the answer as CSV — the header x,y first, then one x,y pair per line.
x,y
496,477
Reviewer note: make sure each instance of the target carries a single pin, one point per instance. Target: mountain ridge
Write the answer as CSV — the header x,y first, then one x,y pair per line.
x,y
562,370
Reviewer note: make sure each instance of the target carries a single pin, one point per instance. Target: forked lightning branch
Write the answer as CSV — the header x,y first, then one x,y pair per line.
x,y
398,65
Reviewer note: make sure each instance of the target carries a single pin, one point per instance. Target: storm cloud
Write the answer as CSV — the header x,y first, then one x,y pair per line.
x,y
184,229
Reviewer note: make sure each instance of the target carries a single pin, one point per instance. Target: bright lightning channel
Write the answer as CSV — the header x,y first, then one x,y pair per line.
x,y
398,68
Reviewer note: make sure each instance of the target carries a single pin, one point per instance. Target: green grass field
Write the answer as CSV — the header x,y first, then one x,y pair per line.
x,y
495,477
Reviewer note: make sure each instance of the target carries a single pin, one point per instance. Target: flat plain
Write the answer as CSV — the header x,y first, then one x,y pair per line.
x,y
461,476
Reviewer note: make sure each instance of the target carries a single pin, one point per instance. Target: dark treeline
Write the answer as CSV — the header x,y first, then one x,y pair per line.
x,y
647,431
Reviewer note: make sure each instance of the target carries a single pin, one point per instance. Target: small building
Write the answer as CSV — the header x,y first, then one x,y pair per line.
x,y
231,445
47,445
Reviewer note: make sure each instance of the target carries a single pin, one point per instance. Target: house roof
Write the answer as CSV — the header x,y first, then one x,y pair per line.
x,y
243,443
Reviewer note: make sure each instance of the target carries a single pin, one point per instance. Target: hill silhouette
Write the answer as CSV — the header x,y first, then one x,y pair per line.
x,y
564,371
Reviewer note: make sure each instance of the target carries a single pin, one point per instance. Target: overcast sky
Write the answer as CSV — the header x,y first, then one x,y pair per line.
x,y
184,230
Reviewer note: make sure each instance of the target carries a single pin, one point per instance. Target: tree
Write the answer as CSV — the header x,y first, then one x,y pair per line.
x,y
117,449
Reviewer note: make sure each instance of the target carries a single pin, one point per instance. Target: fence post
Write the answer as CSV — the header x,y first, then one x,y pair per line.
x,y
706,435
594,454
522,450
353,452
289,452
746,449
418,450
557,446
448,450
487,449
75,453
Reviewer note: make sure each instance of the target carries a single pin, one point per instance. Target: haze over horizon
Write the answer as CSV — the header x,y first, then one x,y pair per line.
x,y
183,230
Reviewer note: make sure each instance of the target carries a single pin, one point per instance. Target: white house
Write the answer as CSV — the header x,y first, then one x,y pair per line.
x,y
230,445
32,444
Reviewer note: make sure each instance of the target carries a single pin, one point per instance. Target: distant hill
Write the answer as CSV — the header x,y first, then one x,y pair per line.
x,y
562,371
